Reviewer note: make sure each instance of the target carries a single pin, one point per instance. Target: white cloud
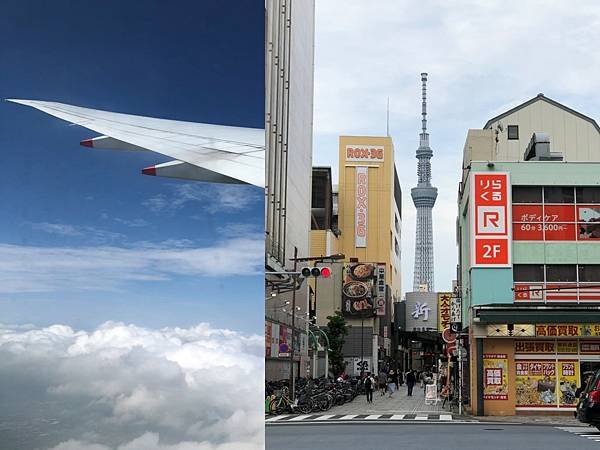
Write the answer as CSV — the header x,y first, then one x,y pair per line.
x,y
123,387
482,59
47,269
91,234
212,198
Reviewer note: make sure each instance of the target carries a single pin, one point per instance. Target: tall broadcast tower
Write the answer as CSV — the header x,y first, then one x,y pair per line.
x,y
424,196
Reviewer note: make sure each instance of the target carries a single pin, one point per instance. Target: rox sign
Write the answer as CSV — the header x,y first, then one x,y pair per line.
x,y
490,210
361,206
364,153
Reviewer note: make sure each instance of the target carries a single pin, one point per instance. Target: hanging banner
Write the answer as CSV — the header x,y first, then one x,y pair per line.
x,y
380,289
268,338
568,379
495,376
456,310
536,383
443,310
490,220
361,207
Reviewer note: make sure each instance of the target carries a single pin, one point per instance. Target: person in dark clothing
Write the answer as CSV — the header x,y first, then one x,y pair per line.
x,y
411,379
369,386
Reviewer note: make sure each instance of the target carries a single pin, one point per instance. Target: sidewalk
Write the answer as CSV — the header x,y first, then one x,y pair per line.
x,y
400,403
533,420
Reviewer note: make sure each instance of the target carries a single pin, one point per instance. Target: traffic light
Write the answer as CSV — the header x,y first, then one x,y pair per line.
x,y
316,272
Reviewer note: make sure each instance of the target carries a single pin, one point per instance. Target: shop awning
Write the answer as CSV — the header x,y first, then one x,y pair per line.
x,y
538,314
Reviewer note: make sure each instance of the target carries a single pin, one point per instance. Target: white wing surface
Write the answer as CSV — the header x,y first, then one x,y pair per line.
x,y
221,153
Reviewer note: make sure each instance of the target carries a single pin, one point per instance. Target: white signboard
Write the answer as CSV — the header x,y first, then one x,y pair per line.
x,y
364,153
361,208
456,310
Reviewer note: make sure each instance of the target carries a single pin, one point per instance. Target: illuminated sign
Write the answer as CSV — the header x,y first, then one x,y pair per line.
x,y
490,220
364,153
361,207
380,289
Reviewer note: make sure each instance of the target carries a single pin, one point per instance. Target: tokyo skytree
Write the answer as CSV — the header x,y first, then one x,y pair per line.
x,y
424,196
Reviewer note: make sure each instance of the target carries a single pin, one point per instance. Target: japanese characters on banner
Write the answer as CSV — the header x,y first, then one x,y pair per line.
x,y
547,383
456,310
444,310
380,289
543,222
568,330
495,376
361,207
546,347
536,383
268,338
365,153
490,220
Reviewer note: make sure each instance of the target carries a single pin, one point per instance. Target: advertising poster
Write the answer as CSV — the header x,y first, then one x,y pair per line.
x,y
536,383
268,329
568,378
274,340
284,346
357,290
495,376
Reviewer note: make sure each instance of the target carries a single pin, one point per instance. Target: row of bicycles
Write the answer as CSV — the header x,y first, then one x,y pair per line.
x,y
316,395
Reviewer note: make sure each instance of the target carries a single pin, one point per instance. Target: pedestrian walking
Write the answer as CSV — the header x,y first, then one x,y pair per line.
x,y
410,381
392,382
369,383
382,382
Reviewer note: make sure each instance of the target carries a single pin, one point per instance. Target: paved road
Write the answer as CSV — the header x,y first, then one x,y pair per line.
x,y
427,436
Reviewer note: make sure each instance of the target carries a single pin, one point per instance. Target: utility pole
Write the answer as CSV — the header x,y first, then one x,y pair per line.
x,y
292,364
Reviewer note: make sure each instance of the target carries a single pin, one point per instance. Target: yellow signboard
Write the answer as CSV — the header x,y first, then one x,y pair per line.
x,y
444,299
567,330
546,347
495,376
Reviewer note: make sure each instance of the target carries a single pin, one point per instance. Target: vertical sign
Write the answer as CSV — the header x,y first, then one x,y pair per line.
x,y
361,210
380,289
495,376
490,220
456,310
444,310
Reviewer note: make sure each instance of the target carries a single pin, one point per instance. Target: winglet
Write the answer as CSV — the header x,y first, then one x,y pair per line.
x,y
87,143
149,171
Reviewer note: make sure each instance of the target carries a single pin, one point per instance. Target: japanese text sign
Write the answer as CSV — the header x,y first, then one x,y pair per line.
x,y
380,289
495,376
444,310
490,219
361,208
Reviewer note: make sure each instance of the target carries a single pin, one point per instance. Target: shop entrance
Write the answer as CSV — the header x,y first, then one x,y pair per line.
x,y
586,367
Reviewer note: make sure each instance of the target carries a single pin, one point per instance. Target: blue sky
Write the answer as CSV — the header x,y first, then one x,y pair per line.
x,y
84,237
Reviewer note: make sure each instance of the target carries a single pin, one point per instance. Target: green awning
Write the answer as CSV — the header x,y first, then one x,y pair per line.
x,y
574,314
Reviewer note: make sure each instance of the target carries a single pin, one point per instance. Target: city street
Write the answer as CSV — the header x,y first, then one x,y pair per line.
x,y
417,436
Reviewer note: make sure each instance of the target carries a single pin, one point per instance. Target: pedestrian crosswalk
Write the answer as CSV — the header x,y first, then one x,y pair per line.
x,y
295,418
590,433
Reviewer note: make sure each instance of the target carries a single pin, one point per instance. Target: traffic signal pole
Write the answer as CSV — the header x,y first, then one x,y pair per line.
x,y
292,364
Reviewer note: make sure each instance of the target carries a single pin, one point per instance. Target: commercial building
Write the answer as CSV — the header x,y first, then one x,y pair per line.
x,y
365,226
529,257
289,80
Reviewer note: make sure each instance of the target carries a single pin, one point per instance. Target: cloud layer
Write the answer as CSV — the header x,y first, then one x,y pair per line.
x,y
128,388
483,57
26,269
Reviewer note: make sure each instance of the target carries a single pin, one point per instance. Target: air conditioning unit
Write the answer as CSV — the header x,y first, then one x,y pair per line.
x,y
538,149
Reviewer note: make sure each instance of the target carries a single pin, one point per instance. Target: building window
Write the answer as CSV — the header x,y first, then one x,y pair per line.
x,y
561,272
396,247
527,194
513,132
588,194
589,273
559,194
528,272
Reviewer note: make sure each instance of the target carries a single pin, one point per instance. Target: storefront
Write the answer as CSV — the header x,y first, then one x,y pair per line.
x,y
534,368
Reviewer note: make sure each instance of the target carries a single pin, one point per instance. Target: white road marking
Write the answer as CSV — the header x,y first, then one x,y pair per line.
x,y
421,418
349,416
301,417
397,417
373,416
273,419
445,416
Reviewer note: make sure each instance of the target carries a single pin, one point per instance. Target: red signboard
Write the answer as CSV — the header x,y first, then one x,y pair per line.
x,y
537,222
490,219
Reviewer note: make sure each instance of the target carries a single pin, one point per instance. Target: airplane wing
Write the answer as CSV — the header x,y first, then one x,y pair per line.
x,y
204,152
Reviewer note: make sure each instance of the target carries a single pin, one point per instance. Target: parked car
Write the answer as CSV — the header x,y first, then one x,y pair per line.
x,y
588,407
